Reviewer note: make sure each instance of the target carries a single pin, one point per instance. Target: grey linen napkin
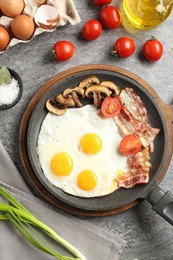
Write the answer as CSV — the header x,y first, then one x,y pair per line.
x,y
93,242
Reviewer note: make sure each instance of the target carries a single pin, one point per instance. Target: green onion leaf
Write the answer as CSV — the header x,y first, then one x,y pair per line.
x,y
26,224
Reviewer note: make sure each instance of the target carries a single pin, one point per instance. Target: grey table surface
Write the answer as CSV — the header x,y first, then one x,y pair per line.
x,y
148,236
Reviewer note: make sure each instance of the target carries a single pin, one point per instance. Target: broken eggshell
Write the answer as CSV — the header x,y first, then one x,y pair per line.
x,y
46,17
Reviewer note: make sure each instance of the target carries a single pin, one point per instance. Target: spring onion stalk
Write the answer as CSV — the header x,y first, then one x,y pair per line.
x,y
26,224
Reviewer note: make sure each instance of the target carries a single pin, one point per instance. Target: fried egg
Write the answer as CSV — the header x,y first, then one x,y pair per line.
x,y
78,152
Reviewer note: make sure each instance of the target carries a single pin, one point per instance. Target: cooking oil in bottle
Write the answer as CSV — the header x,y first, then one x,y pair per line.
x,y
147,14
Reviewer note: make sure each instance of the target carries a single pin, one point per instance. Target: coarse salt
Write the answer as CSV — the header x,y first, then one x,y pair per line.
x,y
9,92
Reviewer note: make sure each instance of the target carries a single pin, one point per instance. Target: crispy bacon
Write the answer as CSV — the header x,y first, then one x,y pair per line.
x,y
139,160
133,177
147,137
126,122
133,102
133,120
139,167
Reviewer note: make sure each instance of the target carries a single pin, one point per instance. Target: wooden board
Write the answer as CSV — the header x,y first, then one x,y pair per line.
x,y
29,174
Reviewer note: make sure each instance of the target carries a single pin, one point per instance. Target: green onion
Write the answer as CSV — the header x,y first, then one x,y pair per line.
x,y
29,227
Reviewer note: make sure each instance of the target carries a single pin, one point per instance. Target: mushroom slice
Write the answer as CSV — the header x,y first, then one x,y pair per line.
x,y
67,101
112,87
98,93
76,94
93,80
55,108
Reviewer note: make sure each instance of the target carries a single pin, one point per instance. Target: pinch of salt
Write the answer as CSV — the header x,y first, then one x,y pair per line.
x,y
9,92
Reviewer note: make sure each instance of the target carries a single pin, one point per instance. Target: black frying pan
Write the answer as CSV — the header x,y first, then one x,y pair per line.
x,y
160,116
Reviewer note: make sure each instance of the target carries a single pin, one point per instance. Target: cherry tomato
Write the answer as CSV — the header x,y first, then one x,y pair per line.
x,y
130,145
102,2
63,50
91,30
153,49
110,17
124,47
111,106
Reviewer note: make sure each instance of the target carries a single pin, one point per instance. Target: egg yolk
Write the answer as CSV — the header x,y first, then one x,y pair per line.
x,y
62,164
90,143
86,180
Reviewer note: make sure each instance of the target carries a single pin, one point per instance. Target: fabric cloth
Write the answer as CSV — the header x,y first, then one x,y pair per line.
x,y
93,242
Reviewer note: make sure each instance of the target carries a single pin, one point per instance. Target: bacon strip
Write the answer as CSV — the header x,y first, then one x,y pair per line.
x,y
139,166
139,160
133,177
133,102
126,122
133,120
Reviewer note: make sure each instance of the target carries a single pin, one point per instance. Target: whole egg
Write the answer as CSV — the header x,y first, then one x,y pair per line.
x,y
22,27
4,38
12,8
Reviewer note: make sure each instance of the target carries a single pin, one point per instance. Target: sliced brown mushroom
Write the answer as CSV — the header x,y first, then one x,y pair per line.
x,y
76,94
55,108
98,93
112,87
67,101
93,80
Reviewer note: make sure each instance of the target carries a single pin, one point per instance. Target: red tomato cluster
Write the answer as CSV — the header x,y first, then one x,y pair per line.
x,y
109,16
124,46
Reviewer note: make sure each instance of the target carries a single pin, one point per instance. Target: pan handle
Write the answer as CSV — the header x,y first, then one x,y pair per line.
x,y
162,203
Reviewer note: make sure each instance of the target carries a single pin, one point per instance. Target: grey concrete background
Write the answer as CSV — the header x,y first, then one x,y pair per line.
x,y
148,236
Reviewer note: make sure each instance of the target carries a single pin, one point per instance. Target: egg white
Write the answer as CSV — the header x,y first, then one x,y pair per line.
x,y
63,134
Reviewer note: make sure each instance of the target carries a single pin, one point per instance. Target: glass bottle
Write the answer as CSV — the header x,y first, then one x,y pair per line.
x,y
147,14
